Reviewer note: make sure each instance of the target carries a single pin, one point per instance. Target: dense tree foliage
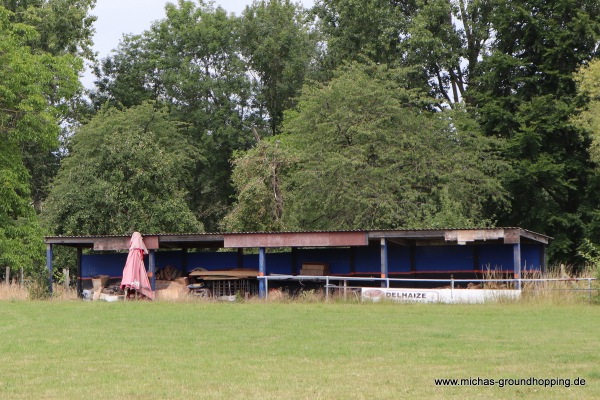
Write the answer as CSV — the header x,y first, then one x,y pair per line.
x,y
444,39
524,92
126,172
63,29
463,112
34,86
63,26
278,44
364,152
512,64
588,79
223,75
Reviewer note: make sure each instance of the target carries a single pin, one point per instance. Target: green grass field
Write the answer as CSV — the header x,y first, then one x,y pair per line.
x,y
139,350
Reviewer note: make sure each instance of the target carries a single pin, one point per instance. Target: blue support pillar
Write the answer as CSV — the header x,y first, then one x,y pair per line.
x,y
262,270
151,268
79,281
544,262
384,261
517,264
49,257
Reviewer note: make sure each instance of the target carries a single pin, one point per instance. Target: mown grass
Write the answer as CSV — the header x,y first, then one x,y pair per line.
x,y
140,350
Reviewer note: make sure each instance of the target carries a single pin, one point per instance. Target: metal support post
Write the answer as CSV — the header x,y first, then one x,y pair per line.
x,y
79,280
49,256
262,267
151,268
517,264
384,261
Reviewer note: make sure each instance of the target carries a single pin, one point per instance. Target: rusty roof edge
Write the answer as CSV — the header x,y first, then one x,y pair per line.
x,y
370,232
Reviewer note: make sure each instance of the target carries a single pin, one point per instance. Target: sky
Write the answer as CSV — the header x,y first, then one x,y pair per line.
x,y
118,17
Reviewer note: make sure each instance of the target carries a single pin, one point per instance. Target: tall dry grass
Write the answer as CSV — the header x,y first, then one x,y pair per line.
x,y
561,288
564,286
23,292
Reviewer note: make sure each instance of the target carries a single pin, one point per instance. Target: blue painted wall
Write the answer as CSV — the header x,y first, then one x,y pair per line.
x,y
427,259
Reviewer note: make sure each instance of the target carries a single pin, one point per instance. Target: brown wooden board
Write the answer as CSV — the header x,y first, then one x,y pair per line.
x,y
228,273
122,243
296,239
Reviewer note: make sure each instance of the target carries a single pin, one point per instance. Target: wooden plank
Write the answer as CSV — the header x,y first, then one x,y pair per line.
x,y
408,234
534,236
229,273
151,242
463,236
75,241
512,236
122,243
111,243
295,239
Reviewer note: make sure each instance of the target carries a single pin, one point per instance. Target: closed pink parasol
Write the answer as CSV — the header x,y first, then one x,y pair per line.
x,y
134,273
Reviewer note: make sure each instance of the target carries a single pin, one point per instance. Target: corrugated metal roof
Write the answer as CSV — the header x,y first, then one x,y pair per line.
x,y
217,238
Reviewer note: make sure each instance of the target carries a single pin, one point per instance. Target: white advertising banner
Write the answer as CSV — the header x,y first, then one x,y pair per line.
x,y
437,295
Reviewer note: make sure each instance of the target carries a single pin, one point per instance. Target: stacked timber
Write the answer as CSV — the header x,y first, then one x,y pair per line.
x,y
237,273
314,269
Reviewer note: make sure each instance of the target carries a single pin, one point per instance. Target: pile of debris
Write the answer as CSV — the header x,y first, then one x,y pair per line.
x,y
168,273
224,284
103,292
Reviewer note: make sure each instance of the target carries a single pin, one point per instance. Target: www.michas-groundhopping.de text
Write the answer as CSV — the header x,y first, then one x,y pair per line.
x,y
504,382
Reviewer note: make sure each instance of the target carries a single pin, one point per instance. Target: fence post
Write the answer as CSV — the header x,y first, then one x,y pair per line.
x,y
21,277
590,289
7,276
67,281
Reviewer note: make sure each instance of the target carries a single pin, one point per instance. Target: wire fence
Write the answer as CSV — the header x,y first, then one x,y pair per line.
x,y
584,284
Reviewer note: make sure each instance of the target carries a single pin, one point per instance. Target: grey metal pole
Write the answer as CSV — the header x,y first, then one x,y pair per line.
x,y
384,260
517,264
266,279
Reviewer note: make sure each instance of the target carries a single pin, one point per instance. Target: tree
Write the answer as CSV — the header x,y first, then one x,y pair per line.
x,y
525,93
129,77
191,62
20,233
588,86
447,38
63,26
258,176
442,39
32,85
127,171
279,45
354,29
364,152
588,118
62,29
